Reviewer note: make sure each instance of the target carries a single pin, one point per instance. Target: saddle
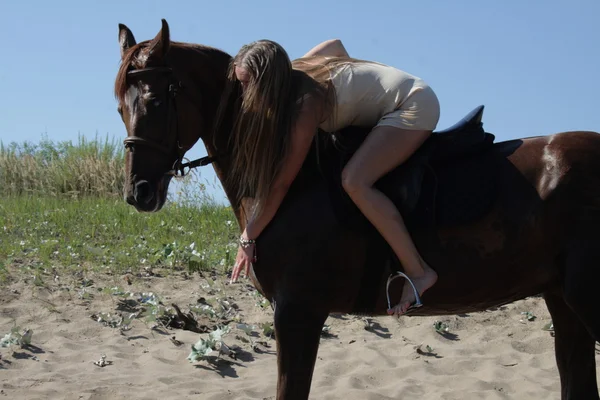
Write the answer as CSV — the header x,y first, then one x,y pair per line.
x,y
450,180
447,181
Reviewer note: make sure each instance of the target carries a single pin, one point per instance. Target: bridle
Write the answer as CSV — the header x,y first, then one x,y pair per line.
x,y
178,168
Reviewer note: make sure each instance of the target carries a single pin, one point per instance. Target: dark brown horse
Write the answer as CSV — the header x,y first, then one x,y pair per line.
x,y
498,221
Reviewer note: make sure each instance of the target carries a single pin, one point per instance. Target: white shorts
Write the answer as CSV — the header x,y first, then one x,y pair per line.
x,y
420,111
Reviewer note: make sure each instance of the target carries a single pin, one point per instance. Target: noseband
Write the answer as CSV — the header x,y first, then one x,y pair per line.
x,y
178,168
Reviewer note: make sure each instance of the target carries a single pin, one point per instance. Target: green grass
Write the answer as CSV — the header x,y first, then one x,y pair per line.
x,y
61,208
107,234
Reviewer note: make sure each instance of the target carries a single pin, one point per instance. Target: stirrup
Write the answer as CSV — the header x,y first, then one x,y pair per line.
x,y
417,302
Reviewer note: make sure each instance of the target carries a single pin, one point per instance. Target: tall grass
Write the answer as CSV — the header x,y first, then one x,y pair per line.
x,y
86,168
61,207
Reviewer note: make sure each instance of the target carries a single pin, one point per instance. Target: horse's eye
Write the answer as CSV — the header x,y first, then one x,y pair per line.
x,y
120,109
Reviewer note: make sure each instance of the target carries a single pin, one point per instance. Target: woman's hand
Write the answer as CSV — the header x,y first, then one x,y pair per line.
x,y
245,257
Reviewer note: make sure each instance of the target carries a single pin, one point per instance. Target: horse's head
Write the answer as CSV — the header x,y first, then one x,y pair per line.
x,y
167,95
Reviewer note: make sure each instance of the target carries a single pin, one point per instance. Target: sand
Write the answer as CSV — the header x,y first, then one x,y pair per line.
x,y
497,354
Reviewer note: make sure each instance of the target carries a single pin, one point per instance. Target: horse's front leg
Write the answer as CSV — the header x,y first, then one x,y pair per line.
x,y
298,330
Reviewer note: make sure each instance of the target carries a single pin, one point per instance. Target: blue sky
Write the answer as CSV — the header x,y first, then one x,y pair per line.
x,y
534,64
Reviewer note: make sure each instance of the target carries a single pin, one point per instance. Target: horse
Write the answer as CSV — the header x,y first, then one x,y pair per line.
x,y
498,221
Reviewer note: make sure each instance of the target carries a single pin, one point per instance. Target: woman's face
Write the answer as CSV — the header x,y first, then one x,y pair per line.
x,y
243,76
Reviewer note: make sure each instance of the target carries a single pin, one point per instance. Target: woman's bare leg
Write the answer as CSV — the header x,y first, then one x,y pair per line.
x,y
385,148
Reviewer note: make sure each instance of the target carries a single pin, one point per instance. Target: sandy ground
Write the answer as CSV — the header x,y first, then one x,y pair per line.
x,y
498,354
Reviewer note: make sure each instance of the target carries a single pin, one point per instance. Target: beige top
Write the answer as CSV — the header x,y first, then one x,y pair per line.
x,y
365,91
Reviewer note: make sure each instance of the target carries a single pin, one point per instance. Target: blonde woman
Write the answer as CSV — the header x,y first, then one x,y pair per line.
x,y
282,108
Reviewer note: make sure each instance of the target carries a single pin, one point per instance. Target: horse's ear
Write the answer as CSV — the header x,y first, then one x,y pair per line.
x,y
126,39
161,43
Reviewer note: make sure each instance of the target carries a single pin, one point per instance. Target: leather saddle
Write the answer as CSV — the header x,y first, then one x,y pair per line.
x,y
450,180
449,157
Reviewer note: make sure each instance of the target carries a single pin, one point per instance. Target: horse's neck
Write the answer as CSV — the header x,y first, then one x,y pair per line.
x,y
217,76
207,68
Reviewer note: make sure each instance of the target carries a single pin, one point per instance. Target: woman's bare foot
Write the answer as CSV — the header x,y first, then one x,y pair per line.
x,y
422,283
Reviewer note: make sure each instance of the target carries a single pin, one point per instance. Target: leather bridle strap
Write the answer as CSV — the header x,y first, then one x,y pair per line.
x,y
178,167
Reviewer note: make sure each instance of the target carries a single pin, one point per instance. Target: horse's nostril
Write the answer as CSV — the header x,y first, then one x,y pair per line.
x,y
143,192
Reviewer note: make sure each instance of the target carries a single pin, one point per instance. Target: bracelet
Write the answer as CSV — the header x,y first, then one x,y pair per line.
x,y
245,243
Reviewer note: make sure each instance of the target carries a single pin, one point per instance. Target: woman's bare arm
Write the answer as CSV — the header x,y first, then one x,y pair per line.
x,y
303,132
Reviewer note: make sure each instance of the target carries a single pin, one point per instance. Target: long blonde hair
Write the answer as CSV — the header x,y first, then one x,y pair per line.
x,y
260,137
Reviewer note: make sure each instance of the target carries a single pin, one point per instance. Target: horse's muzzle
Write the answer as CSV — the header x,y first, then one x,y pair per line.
x,y
142,196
